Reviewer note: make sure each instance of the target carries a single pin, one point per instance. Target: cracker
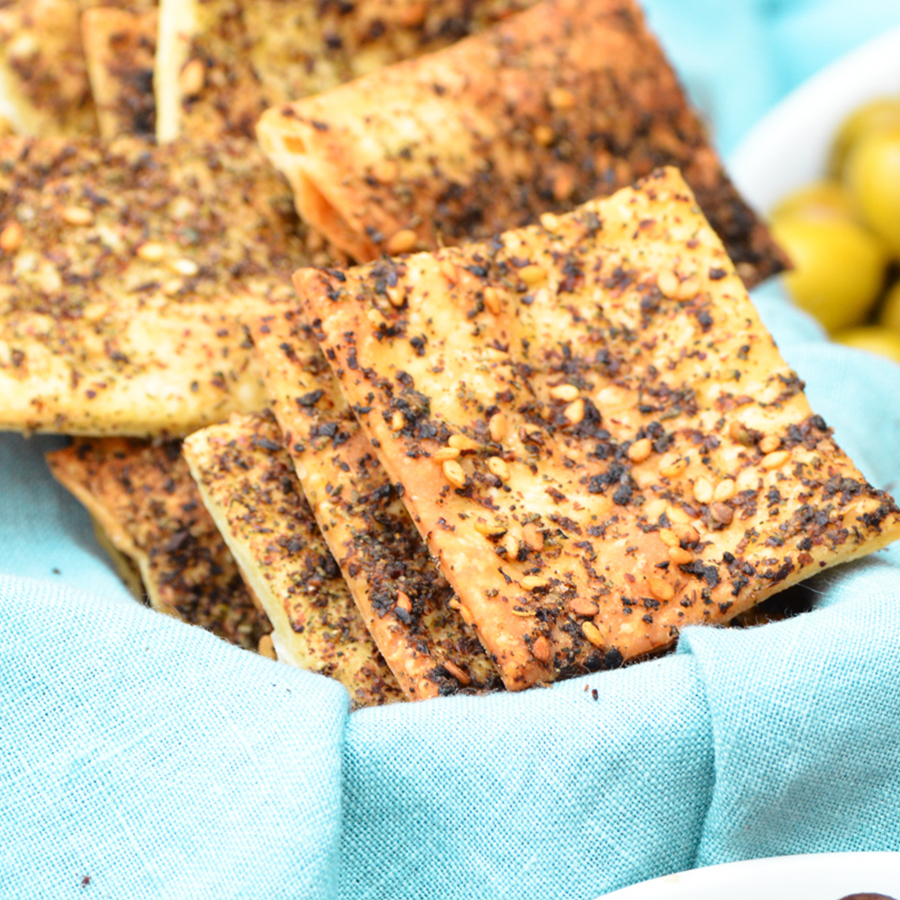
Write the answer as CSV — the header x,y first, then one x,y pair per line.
x,y
564,102
655,462
147,507
406,603
42,65
120,290
119,48
222,62
250,488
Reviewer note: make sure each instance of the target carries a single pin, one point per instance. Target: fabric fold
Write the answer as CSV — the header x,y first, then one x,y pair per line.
x,y
804,723
148,759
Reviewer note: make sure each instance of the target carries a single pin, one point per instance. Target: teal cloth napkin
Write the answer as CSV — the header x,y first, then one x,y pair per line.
x,y
141,758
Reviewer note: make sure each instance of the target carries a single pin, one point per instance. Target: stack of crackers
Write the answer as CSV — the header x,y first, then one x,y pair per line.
x,y
405,342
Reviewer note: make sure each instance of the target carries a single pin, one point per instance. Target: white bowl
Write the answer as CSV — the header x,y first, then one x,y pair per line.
x,y
827,876
789,146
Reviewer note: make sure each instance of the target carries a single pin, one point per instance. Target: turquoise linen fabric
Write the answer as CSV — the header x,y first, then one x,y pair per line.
x,y
141,758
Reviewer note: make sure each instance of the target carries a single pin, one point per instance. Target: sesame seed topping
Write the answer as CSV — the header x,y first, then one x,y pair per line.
x,y
152,251
11,237
769,443
192,78
703,491
660,589
454,473
498,426
592,633
77,215
574,412
775,460
497,466
640,450
540,648
402,241
533,582
532,274
462,442
565,392
446,453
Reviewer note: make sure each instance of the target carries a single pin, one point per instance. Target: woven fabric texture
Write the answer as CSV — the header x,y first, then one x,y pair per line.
x,y
142,758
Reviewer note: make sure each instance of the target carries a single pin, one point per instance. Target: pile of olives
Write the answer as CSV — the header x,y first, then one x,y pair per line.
x,y
843,233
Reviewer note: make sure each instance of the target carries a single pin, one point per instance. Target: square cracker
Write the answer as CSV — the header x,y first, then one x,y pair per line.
x,y
249,487
641,457
147,508
405,601
125,268
119,49
220,63
564,102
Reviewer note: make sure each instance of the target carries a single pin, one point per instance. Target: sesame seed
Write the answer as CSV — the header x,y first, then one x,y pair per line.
x,y
680,556
454,473
403,601
769,443
398,421
459,674
152,251
77,215
490,530
543,135
462,442
660,588
192,78
668,537
11,237
561,98
533,582
446,453
497,466
540,648
688,289
640,450
725,489
492,301
385,171
592,633
402,241
673,468
533,537
775,460
565,392
532,274
498,426
703,491
186,267
574,412
667,282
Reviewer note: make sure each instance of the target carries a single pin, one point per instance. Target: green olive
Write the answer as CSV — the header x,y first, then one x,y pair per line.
x,y
820,198
872,339
838,268
872,176
871,116
890,309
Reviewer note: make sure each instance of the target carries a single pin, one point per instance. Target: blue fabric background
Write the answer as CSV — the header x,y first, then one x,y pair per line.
x,y
141,758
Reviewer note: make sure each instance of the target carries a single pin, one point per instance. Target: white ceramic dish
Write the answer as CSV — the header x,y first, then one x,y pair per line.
x,y
789,146
826,876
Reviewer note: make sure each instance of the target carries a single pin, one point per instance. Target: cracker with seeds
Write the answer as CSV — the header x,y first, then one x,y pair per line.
x,y
406,603
43,72
564,102
222,62
123,267
148,510
119,48
252,492
593,430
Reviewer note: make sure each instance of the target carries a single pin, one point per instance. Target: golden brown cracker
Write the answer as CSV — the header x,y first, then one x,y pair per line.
x,y
561,103
123,269
633,453
222,62
119,48
144,501
406,603
250,489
